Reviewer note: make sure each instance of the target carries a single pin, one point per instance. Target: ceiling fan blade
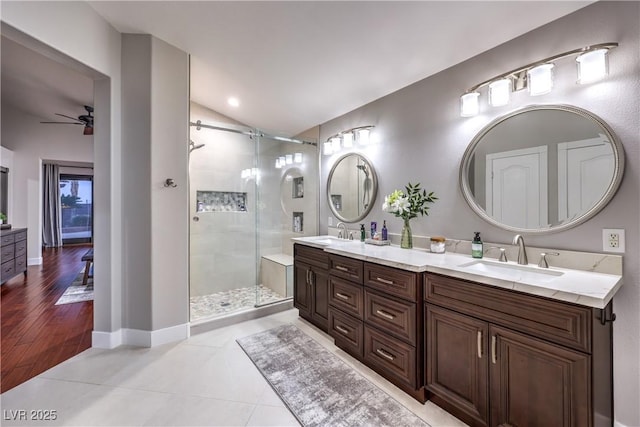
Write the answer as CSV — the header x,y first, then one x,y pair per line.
x,y
68,117
62,123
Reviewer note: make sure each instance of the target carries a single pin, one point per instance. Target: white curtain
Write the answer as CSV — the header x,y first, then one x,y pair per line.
x,y
52,220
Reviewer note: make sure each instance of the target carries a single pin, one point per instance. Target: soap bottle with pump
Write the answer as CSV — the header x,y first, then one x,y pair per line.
x,y
476,246
384,231
363,233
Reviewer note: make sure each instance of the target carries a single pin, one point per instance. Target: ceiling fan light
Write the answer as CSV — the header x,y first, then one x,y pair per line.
x,y
88,130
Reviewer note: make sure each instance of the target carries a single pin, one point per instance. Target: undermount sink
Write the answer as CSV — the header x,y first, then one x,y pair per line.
x,y
323,240
514,272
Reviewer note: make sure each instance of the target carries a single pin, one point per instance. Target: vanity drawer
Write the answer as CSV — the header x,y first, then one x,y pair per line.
x,y
392,356
347,332
346,296
7,240
314,256
347,268
20,248
8,269
399,283
559,322
22,235
398,318
20,263
8,252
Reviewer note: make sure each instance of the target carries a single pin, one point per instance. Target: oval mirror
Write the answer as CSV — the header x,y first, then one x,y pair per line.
x,y
352,187
542,169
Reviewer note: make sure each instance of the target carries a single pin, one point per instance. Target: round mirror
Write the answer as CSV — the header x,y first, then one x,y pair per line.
x,y
352,187
542,169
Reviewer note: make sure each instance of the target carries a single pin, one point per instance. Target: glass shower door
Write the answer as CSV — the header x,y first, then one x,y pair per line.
x,y
287,205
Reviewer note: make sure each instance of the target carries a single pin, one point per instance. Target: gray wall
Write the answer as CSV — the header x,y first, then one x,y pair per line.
x,y
422,139
155,108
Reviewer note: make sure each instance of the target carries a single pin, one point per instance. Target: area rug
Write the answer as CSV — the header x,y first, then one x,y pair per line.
x,y
319,388
76,292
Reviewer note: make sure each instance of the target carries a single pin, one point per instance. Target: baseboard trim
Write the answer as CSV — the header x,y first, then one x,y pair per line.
x,y
140,338
34,261
106,340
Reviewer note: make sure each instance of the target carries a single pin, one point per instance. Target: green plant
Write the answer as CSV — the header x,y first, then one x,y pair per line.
x,y
408,204
3,217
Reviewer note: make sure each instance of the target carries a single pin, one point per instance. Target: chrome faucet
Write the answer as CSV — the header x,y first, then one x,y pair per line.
x,y
522,252
340,235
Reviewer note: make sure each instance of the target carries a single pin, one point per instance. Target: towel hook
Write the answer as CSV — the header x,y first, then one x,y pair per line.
x,y
169,182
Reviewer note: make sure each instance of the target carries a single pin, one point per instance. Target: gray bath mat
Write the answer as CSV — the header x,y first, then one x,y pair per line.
x,y
318,387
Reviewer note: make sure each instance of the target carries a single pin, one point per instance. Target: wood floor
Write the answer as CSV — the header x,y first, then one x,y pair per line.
x,y
36,334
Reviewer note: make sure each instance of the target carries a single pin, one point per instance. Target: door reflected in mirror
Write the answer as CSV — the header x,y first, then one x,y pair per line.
x,y
352,187
542,169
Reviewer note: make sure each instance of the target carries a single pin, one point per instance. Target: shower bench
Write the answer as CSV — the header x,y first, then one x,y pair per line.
x,y
276,273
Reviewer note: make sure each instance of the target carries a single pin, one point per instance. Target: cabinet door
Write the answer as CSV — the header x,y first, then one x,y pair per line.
x,y
536,383
320,297
302,288
457,363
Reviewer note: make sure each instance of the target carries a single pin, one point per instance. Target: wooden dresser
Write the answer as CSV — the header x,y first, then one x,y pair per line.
x,y
14,253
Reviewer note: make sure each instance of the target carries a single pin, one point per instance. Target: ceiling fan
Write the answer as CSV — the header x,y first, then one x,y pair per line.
x,y
85,119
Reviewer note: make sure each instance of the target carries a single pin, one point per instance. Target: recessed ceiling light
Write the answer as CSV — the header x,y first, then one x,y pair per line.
x,y
233,101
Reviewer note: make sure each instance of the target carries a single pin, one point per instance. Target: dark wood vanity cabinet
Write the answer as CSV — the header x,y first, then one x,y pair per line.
x,y
311,285
496,357
375,316
14,253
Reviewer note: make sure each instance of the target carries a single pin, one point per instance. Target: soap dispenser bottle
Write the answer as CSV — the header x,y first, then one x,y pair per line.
x,y
363,233
384,230
476,246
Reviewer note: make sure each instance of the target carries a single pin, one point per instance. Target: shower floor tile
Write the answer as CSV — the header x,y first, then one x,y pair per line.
x,y
229,301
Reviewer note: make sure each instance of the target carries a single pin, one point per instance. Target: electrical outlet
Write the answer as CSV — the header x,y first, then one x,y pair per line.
x,y
330,221
613,240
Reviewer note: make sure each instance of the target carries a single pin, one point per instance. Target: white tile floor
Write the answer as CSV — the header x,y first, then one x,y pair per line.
x,y
205,380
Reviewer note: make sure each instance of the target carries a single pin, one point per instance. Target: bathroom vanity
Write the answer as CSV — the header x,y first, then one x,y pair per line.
x,y
495,344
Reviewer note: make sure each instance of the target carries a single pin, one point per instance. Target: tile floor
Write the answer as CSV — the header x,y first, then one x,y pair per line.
x,y
225,302
204,380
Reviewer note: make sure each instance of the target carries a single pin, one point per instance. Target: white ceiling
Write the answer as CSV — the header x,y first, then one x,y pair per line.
x,y
296,64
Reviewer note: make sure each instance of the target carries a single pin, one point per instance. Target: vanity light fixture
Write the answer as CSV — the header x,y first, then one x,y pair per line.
x,y
283,160
278,164
297,157
289,159
347,139
538,77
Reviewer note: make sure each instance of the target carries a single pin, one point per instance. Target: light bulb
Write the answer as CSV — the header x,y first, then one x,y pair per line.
x,y
327,148
469,104
540,79
347,140
297,157
278,165
335,144
592,65
289,159
499,92
363,136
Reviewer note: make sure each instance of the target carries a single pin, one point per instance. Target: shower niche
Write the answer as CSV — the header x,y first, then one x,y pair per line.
x,y
221,201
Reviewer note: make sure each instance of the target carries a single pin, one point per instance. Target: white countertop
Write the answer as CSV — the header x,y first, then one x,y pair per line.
x,y
576,286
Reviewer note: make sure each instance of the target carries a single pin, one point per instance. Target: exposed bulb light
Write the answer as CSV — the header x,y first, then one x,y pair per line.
x,y
335,144
363,136
469,105
297,157
347,139
592,65
327,148
289,159
233,101
499,92
540,79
